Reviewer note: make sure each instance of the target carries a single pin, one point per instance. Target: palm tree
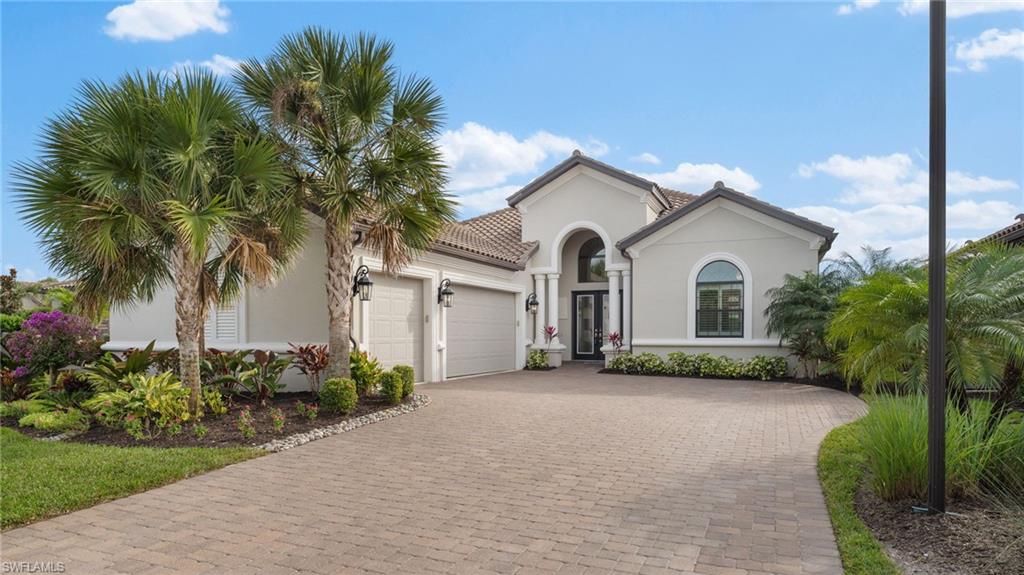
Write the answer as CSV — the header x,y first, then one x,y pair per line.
x,y
883,324
159,180
799,311
361,140
853,270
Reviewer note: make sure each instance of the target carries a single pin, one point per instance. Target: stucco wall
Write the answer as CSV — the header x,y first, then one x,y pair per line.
x,y
577,196
664,267
146,321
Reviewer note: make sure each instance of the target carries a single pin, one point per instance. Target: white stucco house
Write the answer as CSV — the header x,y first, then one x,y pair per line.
x,y
603,251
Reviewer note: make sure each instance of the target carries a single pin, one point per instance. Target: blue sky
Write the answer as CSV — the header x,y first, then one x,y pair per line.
x,y
817,107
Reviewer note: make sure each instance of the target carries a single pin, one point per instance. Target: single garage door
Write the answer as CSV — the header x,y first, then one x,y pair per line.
x,y
481,331
396,322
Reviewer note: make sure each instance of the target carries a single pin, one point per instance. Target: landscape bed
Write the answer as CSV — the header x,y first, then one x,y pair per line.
x,y
222,430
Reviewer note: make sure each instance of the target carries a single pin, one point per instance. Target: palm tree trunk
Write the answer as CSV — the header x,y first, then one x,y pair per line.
x,y
188,326
1009,391
338,237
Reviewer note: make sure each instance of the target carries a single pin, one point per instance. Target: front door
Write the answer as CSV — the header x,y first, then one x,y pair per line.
x,y
589,316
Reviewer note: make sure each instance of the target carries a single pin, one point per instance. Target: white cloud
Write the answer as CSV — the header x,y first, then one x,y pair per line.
x,y
894,179
164,21
858,5
487,200
646,158
697,178
905,227
219,64
990,45
480,157
962,8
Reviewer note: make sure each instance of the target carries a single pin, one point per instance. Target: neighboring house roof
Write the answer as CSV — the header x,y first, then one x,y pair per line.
x,y
676,200
720,191
1011,234
577,159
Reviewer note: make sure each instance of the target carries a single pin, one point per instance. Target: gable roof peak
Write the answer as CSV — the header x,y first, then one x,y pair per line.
x,y
719,185
578,158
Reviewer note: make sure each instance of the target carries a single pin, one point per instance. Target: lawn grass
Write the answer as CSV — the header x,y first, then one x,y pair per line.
x,y
40,479
841,470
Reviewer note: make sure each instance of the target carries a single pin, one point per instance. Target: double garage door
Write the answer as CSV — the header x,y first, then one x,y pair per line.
x,y
481,327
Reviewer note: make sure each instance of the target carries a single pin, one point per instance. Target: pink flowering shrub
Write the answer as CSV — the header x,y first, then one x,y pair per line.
x,y
48,341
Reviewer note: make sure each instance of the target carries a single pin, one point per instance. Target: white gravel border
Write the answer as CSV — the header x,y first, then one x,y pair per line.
x,y
418,400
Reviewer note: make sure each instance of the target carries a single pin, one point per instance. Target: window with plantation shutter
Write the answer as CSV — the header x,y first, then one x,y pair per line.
x,y
720,300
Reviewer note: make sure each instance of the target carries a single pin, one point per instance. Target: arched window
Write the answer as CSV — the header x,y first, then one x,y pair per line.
x,y
720,300
591,267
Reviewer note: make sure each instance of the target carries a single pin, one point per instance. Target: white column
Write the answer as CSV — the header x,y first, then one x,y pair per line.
x,y
553,303
613,303
539,282
627,308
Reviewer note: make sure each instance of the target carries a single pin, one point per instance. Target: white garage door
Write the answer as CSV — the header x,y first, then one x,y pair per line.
x,y
481,331
396,322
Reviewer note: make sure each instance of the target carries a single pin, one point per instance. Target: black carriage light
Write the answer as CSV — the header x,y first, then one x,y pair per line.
x,y
362,285
445,293
532,304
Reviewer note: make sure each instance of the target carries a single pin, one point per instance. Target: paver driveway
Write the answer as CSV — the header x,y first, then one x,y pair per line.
x,y
565,471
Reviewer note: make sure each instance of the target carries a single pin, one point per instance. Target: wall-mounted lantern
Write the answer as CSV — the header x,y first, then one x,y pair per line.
x,y
532,304
445,293
362,285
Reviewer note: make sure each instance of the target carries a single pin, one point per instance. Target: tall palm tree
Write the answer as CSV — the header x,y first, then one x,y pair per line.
x,y
362,141
159,180
883,323
854,270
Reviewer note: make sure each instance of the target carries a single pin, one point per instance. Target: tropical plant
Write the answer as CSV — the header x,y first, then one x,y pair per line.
x,y
213,401
161,180
48,341
851,270
261,378
883,325
151,405
615,338
311,360
246,423
338,396
61,421
361,140
223,367
366,372
799,311
21,407
307,410
110,371
550,333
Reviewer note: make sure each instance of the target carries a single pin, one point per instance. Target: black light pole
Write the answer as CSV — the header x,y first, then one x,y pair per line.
x,y
937,260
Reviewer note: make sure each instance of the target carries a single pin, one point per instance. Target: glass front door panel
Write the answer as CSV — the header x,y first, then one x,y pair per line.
x,y
585,324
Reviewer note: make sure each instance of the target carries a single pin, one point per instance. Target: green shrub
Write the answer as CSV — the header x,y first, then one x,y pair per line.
x,y
680,363
365,371
408,379
152,404
979,461
643,364
61,421
213,401
765,367
538,359
338,395
708,365
391,387
23,407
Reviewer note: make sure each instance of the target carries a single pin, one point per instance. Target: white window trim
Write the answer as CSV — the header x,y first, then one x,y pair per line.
x,y
748,299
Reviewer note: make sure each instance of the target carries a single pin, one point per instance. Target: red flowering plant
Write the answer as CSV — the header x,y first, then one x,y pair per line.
x,y
615,338
550,333
48,341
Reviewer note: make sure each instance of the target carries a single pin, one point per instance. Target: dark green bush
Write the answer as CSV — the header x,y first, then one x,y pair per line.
x,y
682,364
408,379
391,387
765,367
338,395
708,365
643,364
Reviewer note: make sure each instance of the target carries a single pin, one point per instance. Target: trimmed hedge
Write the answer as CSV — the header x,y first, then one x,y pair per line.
x,y
338,395
762,367
408,379
391,387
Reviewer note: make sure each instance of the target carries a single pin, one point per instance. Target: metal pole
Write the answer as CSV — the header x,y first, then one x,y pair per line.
x,y
937,261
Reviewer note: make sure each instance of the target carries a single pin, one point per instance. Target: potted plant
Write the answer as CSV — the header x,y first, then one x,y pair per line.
x,y
554,355
615,339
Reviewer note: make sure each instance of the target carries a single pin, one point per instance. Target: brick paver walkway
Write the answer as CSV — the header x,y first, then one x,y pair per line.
x,y
565,471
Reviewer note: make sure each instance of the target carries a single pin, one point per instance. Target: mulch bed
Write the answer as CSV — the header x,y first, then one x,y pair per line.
x,y
981,538
222,431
